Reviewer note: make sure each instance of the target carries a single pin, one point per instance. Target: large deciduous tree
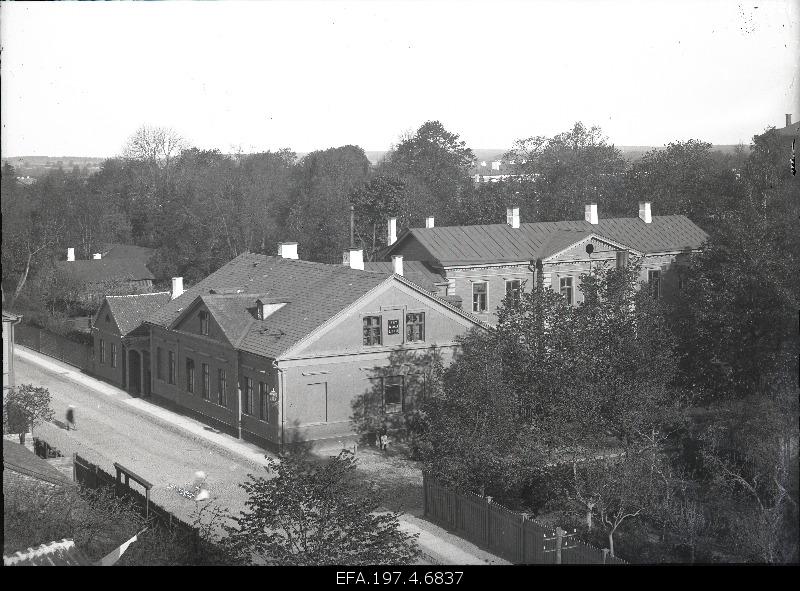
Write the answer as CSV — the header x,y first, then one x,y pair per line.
x,y
311,513
24,407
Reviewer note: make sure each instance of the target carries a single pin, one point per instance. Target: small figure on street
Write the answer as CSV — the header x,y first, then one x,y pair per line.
x,y
384,442
71,417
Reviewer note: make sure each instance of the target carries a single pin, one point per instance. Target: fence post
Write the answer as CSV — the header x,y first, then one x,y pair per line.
x,y
424,494
559,539
522,539
605,554
487,519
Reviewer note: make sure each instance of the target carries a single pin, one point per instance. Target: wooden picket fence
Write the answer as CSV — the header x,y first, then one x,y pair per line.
x,y
53,345
506,533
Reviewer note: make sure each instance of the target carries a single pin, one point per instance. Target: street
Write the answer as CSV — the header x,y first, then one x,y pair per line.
x,y
110,430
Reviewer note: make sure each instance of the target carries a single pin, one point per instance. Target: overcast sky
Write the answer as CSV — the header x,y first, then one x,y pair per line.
x,y
78,78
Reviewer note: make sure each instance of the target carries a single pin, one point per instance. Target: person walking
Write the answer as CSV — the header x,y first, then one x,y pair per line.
x,y
71,418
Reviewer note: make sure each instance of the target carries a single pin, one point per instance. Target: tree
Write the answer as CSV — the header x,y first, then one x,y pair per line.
x,y
308,513
374,203
154,145
563,173
435,164
25,407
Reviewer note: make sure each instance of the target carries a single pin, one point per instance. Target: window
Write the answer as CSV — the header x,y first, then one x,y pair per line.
x,y
171,367
393,394
622,259
206,379
222,384
565,287
415,326
247,399
514,289
259,309
113,355
479,299
263,400
203,322
159,364
189,375
451,287
654,279
372,330
102,351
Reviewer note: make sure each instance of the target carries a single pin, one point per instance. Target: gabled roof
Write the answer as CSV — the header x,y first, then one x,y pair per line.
x,y
113,250
129,311
61,553
20,459
418,272
313,293
102,270
500,243
310,294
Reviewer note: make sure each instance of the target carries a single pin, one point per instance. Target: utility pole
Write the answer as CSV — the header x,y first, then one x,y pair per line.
x,y
352,226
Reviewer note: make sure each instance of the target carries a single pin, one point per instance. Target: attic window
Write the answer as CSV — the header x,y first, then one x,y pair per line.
x,y
259,309
108,319
203,322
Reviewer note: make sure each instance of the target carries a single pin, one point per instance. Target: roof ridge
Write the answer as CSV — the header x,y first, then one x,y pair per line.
x,y
134,295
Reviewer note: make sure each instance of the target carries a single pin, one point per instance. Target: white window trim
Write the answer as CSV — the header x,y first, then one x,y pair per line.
x,y
486,283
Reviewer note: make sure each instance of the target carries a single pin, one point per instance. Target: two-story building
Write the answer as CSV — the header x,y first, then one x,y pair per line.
x,y
482,264
278,350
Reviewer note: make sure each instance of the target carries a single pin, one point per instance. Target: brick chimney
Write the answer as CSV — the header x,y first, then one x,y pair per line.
x,y
391,233
644,212
590,214
397,264
429,222
287,250
97,256
788,119
177,287
512,216
354,258
71,254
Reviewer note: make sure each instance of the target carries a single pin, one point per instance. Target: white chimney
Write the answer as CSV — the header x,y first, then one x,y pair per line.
x,y
391,236
591,213
177,287
287,250
512,216
97,256
397,264
70,254
354,258
644,212
429,222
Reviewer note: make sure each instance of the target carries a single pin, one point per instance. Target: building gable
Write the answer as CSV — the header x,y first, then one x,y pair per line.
x,y
391,301
602,248
190,322
104,320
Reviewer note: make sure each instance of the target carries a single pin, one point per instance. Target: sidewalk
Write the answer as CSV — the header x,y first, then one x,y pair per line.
x,y
437,545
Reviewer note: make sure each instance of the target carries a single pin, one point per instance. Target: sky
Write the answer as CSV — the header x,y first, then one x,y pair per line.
x,y
78,78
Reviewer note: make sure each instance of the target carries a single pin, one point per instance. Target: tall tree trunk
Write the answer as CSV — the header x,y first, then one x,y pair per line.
x,y
22,279
611,541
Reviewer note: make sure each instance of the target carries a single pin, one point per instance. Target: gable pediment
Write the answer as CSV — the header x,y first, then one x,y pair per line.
x,y
602,247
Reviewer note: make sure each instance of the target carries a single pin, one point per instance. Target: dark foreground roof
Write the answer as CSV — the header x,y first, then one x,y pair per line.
x,y
105,270
418,272
130,310
312,293
20,459
62,553
499,243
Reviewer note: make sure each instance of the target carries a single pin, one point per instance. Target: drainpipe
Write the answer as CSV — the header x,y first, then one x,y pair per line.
x,y
282,393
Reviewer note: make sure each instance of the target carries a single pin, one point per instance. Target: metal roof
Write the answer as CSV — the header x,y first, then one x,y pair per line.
x,y
500,243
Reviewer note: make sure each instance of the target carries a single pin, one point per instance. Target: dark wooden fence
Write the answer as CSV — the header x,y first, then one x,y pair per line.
x,y
53,345
508,534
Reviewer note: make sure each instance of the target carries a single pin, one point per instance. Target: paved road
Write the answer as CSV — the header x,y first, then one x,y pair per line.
x,y
111,430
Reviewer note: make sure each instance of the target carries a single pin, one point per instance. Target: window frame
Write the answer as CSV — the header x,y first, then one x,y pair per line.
x,y
569,288
401,405
222,387
263,402
102,352
247,396
159,364
172,376
623,257
368,338
203,316
205,377
114,353
517,292
418,323
190,385
655,286
485,295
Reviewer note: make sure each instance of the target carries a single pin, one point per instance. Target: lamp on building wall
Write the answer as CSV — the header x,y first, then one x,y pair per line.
x,y
273,396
